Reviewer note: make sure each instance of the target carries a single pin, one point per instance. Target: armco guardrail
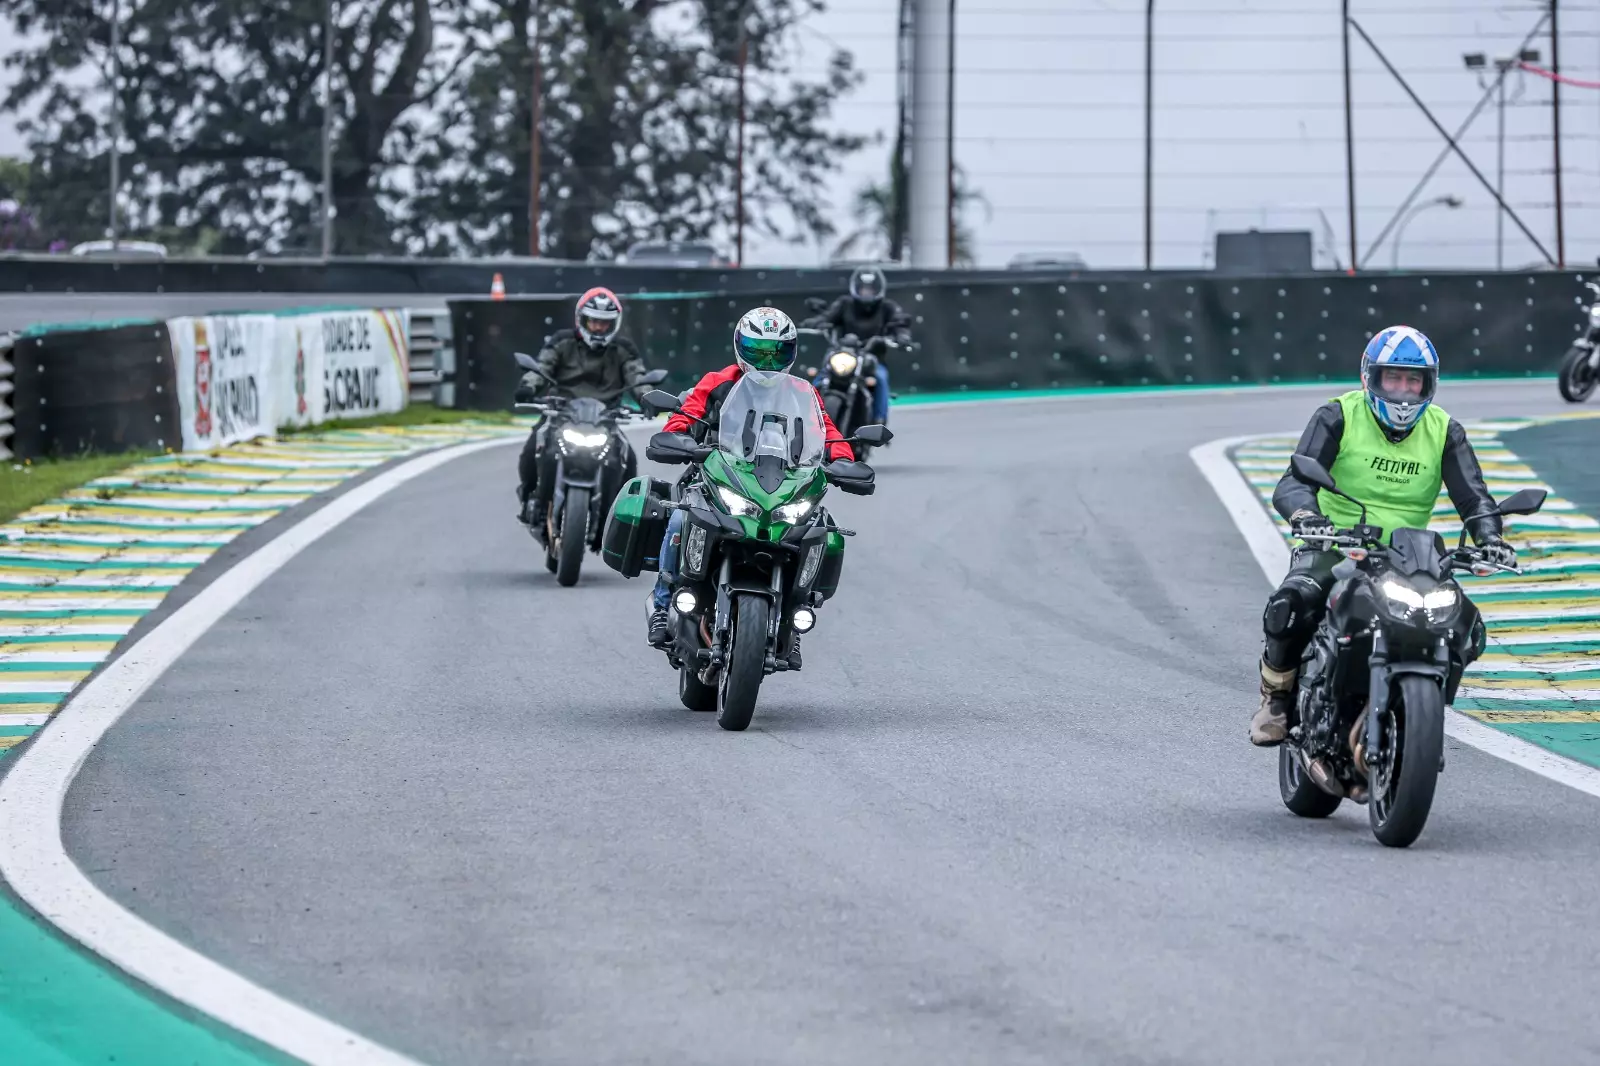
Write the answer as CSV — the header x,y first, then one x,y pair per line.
x,y
1042,334
432,348
7,386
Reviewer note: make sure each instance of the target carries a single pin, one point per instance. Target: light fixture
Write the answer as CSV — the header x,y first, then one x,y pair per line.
x,y
804,618
685,601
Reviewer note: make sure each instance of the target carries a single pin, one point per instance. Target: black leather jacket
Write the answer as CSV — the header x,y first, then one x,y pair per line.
x,y
603,374
888,319
1463,477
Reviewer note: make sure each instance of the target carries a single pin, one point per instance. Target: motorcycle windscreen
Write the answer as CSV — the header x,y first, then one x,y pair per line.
x,y
1417,551
773,422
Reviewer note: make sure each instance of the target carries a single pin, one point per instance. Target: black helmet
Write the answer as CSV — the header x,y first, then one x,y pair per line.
x,y
867,286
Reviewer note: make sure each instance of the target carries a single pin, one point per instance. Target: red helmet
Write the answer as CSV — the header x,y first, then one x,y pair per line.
x,y
599,317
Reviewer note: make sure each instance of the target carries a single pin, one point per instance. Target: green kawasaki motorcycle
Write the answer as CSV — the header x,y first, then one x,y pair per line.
x,y
758,551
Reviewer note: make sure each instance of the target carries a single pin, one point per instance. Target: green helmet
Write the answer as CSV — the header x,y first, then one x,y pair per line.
x,y
765,342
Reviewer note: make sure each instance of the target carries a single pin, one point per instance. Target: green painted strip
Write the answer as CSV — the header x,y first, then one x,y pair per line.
x,y
35,667
33,697
61,638
65,1008
914,398
1479,703
1575,650
29,562
1488,593
1579,741
16,731
1522,673
59,589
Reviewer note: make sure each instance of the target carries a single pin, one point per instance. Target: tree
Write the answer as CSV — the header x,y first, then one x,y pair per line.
x,y
875,210
222,113
638,131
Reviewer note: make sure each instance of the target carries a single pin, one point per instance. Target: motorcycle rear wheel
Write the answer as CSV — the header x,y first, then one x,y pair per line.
x,y
1301,794
1576,380
1402,783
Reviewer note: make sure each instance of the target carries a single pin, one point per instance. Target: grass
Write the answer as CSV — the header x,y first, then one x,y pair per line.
x,y
417,414
25,485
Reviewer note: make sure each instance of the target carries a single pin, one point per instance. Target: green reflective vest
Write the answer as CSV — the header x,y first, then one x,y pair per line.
x,y
1399,482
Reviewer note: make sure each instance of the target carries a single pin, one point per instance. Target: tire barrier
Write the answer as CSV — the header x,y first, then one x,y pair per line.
x,y
1143,330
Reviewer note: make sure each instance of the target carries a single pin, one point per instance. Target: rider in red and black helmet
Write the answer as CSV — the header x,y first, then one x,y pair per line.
x,y
591,359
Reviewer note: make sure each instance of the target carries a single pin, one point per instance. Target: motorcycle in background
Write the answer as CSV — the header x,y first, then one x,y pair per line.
x,y
1580,367
593,459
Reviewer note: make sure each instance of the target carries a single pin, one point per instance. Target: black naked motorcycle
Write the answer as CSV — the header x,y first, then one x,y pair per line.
x,y
1368,721
1580,367
852,379
593,461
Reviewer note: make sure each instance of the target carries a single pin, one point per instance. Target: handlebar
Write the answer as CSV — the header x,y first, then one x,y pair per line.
x,y
1458,559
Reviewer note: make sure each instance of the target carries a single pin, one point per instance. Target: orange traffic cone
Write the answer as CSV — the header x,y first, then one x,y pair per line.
x,y
497,291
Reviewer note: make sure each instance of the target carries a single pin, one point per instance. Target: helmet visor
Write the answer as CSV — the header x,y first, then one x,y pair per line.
x,y
867,286
1402,384
596,326
767,353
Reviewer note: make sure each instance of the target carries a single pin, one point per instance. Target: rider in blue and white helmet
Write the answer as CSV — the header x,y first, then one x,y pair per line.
x,y
1390,446
1400,373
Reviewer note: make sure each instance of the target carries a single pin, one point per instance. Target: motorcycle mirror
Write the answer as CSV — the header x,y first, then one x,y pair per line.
x,y
525,361
855,478
654,377
662,400
1523,501
1312,472
876,436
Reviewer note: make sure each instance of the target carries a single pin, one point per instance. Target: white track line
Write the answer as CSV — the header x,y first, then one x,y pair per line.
x,y
35,863
1272,553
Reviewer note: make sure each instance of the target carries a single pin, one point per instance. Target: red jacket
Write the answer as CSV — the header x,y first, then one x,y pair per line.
x,y
714,387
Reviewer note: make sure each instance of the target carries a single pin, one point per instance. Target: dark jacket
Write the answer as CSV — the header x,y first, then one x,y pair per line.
x,y
888,319
600,373
705,402
1463,477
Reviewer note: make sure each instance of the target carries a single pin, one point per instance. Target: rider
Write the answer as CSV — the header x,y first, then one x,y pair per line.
x,y
593,359
764,346
1389,446
867,313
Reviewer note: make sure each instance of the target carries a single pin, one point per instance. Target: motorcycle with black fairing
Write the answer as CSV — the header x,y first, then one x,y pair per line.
x,y
592,459
759,553
1385,661
851,381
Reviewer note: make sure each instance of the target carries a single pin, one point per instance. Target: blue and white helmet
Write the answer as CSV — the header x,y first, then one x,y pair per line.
x,y
1399,347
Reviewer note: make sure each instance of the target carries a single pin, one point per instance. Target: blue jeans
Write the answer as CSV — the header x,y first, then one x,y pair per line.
x,y
668,573
880,393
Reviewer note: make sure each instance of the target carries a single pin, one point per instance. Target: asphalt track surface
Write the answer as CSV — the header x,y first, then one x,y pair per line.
x,y
1007,813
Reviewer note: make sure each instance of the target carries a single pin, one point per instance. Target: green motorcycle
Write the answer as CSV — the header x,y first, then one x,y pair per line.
x,y
758,553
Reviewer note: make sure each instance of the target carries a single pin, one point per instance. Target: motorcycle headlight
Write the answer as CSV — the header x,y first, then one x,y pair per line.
x,y
793,512
582,439
1594,315
1402,595
1440,599
735,503
843,363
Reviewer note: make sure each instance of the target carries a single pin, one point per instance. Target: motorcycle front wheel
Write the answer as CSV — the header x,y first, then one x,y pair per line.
x,y
1576,379
1402,782
574,531
740,683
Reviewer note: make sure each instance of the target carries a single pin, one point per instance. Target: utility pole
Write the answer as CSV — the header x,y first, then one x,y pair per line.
x,y
950,145
1555,122
1149,131
1349,138
328,29
738,192
535,129
930,146
116,118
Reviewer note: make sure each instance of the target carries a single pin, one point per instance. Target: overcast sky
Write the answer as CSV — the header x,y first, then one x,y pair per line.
x,y
1248,120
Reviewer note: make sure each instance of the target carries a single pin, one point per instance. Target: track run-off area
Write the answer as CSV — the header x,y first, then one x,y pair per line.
x,y
407,786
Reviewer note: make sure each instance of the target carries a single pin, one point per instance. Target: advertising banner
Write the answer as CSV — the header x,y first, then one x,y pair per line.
x,y
224,366
341,364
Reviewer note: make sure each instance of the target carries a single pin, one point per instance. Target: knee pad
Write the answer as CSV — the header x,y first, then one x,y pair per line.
x,y
1292,611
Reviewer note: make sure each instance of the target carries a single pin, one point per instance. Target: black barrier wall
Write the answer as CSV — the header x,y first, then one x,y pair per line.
x,y
1157,330
94,390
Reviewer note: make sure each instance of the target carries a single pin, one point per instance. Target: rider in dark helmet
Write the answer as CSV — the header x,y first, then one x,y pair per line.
x,y
592,359
867,312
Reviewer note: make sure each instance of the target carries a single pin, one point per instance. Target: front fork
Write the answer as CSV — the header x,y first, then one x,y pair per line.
x,y
1383,677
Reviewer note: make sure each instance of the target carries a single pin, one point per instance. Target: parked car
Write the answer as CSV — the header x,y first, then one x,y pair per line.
x,y
129,249
675,253
1047,261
